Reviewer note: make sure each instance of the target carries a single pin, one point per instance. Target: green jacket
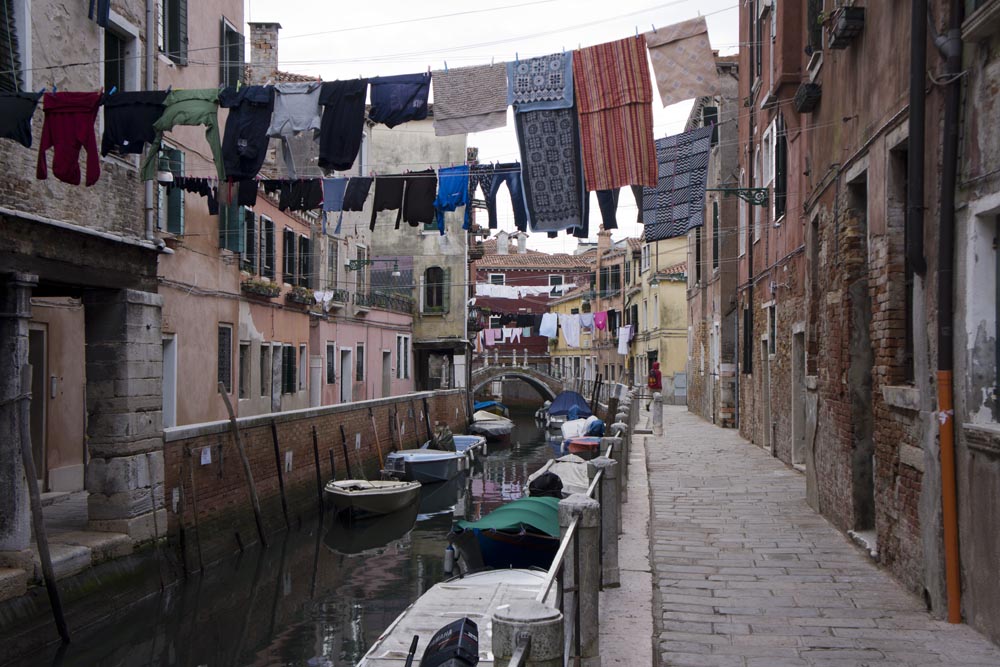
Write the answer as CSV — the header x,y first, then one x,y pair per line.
x,y
188,107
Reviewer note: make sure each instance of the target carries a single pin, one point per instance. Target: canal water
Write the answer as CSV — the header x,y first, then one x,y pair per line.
x,y
318,596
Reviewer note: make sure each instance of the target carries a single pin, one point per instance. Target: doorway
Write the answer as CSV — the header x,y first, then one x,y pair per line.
x,y
345,375
386,373
765,397
37,358
799,398
169,381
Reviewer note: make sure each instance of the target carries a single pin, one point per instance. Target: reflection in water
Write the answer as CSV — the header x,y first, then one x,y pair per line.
x,y
319,595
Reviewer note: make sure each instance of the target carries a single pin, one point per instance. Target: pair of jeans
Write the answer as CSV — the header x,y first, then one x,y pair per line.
x,y
511,175
608,201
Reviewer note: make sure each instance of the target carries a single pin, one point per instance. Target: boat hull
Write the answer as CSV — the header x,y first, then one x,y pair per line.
x,y
583,447
376,499
424,465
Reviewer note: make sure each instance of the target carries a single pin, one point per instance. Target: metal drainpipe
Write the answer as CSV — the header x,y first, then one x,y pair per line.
x,y
915,159
150,84
951,48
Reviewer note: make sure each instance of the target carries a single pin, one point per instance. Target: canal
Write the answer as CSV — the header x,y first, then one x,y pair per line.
x,y
318,596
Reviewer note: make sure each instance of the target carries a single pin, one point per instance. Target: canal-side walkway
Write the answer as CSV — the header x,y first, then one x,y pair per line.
x,y
746,574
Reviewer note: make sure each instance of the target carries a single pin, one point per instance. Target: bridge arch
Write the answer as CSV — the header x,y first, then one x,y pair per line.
x,y
545,385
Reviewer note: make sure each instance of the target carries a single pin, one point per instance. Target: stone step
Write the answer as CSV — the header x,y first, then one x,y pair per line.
x,y
53,497
13,583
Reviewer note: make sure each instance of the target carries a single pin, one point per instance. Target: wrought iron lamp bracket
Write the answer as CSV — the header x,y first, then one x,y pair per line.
x,y
753,196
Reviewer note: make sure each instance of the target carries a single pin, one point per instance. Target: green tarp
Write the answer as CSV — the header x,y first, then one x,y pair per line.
x,y
542,514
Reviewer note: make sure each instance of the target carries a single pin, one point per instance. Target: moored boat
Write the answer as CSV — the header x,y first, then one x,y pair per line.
x,y
585,446
490,425
570,469
522,533
493,407
468,444
567,405
424,465
361,496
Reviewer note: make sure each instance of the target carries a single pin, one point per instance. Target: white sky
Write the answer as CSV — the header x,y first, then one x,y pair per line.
x,y
383,37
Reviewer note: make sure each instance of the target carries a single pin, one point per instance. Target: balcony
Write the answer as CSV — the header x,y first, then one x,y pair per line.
x,y
365,301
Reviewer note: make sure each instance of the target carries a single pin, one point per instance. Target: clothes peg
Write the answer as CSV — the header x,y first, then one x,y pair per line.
x,y
653,27
516,58
445,65
637,32
113,90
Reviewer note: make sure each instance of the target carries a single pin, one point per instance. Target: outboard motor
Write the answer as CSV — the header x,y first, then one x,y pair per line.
x,y
454,645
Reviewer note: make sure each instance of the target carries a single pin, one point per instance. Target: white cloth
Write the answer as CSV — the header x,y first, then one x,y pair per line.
x,y
508,334
587,320
550,325
624,334
570,328
514,291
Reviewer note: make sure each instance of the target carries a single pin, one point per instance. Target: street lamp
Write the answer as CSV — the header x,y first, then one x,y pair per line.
x,y
358,264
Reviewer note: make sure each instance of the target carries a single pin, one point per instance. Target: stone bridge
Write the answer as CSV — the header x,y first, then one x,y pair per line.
x,y
543,383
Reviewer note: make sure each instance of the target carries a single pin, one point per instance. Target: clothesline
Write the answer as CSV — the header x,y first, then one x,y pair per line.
x,y
550,325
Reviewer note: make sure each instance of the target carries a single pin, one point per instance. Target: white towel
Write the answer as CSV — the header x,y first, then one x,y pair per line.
x,y
549,326
571,329
624,334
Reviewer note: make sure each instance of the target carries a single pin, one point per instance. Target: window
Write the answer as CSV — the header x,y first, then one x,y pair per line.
x,y
402,357
288,375
498,279
248,259
715,235
767,156
244,369
359,375
628,273
15,57
173,30
225,357
814,26
435,289
288,263
266,248
645,314
494,321
780,168
644,261
634,316
710,118
265,369
361,275
114,61
655,324
331,363
757,183
616,278
555,284
303,367
748,347
772,329
230,55
305,262
332,263
232,228
170,211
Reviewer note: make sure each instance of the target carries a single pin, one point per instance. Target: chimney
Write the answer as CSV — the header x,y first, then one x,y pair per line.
x,y
522,243
603,241
263,52
503,244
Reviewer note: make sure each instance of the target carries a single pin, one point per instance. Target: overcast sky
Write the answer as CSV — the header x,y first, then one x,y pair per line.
x,y
383,37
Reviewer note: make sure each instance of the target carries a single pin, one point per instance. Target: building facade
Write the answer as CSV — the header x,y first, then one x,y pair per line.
x,y
712,252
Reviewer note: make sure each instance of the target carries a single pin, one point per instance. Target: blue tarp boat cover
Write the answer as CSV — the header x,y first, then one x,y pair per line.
x,y
567,400
483,405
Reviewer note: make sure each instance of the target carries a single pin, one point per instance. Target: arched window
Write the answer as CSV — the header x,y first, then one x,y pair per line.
x,y
434,288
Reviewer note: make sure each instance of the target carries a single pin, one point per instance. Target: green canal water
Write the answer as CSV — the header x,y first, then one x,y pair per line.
x,y
319,595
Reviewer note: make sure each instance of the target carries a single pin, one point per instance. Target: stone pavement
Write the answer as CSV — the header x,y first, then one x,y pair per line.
x,y
746,574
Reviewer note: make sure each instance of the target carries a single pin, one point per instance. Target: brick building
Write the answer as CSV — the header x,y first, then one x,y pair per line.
x,y
845,285
712,251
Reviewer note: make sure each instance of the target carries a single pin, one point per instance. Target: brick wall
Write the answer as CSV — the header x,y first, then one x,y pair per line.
x,y
224,514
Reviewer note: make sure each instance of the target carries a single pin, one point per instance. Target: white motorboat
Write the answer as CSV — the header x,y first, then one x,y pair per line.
x,y
490,425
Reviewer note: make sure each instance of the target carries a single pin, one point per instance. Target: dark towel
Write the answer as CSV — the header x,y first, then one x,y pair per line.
x,y
343,123
398,99
356,193
421,189
388,196
16,110
244,145
129,118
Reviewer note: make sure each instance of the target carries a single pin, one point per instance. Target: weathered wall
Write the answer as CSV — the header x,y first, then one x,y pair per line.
x,y
220,488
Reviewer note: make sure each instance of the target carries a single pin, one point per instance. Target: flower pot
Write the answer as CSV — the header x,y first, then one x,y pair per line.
x,y
807,97
847,23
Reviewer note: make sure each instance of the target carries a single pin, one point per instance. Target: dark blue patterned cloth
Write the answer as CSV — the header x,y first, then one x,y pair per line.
x,y
677,204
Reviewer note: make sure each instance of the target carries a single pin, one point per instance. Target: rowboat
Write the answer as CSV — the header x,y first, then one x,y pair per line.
x,y
361,496
424,465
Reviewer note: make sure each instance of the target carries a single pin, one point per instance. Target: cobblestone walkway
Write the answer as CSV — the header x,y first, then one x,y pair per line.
x,y
746,574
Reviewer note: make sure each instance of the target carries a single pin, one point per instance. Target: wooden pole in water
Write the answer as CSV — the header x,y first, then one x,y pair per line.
x,y
378,445
281,474
347,458
194,506
427,419
333,465
319,475
38,520
254,500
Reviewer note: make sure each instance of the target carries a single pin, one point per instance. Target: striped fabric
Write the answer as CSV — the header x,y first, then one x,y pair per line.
x,y
614,97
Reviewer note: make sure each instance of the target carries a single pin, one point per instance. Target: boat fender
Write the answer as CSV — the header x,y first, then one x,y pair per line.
x,y
449,559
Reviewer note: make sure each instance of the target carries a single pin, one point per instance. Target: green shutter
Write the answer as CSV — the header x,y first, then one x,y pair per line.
x,y
249,262
223,53
232,227
10,61
182,32
446,290
288,256
267,249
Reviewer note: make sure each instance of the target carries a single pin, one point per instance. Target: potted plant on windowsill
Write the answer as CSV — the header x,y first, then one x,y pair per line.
x,y
807,97
261,288
846,23
301,295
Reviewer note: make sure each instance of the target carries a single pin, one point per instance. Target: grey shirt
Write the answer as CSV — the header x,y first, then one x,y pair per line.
x,y
296,108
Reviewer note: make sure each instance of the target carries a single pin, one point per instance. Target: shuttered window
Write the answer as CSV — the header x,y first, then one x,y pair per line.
x,y
780,168
10,56
331,363
248,261
232,228
266,248
225,357
289,377
288,256
171,203
715,234
174,30
360,363
436,289
305,262
230,55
